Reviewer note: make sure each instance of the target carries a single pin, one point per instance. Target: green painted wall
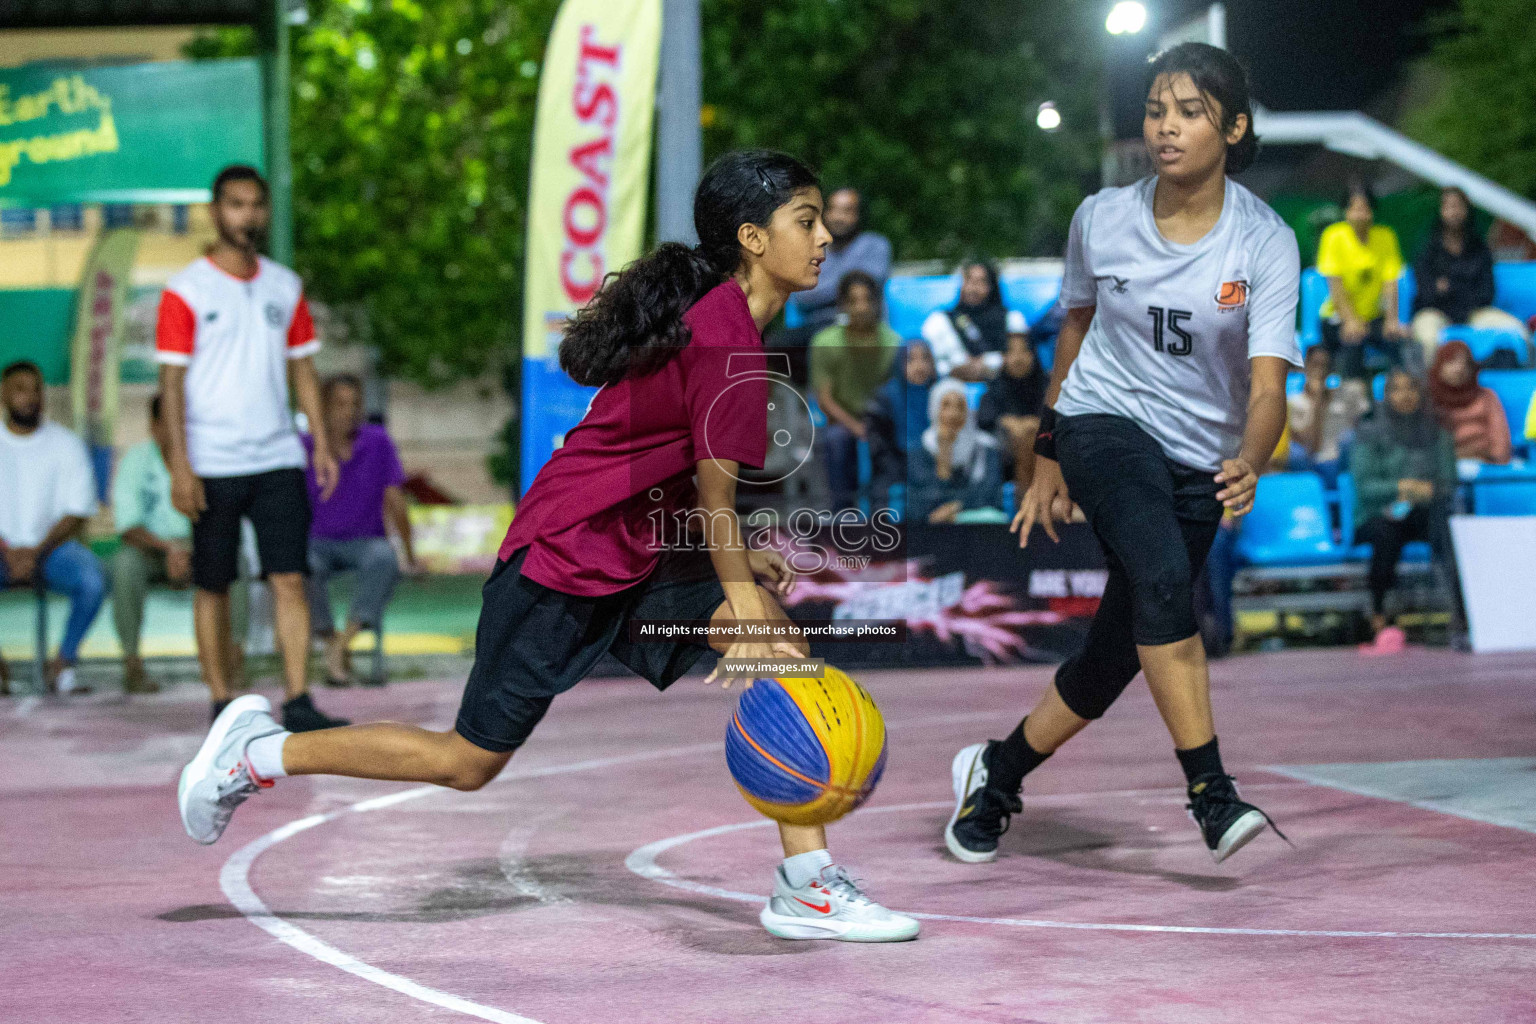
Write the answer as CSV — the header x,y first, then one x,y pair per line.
x,y
35,324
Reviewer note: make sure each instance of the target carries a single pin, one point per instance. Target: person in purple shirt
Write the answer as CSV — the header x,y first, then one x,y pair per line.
x,y
347,532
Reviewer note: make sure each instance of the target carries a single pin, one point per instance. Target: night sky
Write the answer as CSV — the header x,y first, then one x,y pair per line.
x,y
1301,54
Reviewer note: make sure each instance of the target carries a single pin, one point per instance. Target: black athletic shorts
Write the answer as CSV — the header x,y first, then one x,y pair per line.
x,y
276,503
534,643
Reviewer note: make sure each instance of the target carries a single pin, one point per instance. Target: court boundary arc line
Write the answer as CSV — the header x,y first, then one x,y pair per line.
x,y
234,879
642,862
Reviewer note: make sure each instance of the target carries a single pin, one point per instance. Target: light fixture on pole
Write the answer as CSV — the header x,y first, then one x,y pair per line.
x,y
1126,18
1047,117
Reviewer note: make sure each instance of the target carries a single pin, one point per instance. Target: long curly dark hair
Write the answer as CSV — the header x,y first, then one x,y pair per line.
x,y
634,324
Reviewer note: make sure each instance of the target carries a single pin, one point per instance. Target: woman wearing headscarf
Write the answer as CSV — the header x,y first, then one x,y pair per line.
x,y
897,416
1455,278
1471,413
968,340
1405,474
956,467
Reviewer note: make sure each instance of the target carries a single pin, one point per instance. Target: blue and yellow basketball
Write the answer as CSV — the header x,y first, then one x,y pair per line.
x,y
806,751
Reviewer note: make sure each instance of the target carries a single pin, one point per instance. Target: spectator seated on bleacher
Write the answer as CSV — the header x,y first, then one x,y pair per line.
x,y
896,417
346,533
1471,413
1361,261
156,543
1321,419
968,339
1010,409
48,493
849,362
1454,276
852,248
955,469
1404,469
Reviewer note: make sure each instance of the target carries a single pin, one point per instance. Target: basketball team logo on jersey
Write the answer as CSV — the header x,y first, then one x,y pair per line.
x,y
1233,295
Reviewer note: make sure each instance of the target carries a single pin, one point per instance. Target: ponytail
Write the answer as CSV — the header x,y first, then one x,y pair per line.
x,y
634,324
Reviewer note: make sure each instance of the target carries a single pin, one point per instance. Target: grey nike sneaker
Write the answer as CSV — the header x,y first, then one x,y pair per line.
x,y
217,780
831,906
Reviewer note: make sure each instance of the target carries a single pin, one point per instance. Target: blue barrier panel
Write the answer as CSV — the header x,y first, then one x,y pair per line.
x,y
552,404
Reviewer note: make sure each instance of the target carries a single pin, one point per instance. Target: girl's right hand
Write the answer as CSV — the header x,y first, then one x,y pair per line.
x,y
754,651
1046,502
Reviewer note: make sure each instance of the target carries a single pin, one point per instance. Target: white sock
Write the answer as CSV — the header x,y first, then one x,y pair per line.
x,y
803,867
264,756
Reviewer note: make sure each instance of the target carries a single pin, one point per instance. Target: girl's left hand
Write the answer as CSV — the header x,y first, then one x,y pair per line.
x,y
769,567
1240,479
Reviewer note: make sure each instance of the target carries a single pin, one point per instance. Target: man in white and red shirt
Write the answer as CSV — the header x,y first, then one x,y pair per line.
x,y
234,331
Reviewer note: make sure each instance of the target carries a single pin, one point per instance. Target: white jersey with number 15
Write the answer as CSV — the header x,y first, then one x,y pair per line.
x,y
1176,325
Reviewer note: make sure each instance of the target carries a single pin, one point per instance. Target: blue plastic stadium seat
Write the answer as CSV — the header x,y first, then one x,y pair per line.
x,y
1514,288
1484,342
1379,387
1514,388
909,300
1296,382
1010,498
1506,498
1289,523
1032,296
973,393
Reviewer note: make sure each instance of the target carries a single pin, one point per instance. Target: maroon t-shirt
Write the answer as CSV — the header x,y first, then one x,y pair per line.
x,y
591,518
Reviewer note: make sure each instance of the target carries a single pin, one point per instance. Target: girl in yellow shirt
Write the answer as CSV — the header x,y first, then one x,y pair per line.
x,y
1362,263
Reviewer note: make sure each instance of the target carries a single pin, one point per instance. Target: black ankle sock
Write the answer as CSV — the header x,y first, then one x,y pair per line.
x,y
1202,760
1011,760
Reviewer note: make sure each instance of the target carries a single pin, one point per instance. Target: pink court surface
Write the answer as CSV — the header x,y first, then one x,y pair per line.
x,y
613,874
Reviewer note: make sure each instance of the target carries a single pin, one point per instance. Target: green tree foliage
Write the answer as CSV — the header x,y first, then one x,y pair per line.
x,y
411,129
1484,113
928,106
412,122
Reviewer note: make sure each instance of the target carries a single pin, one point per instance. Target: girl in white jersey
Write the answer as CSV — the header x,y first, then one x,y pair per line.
x,y
1166,400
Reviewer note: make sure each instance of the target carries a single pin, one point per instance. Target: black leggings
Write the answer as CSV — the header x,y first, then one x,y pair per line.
x,y
1349,360
1155,520
1387,538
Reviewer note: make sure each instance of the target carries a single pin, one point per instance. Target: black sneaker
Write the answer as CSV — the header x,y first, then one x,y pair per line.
x,y
1225,819
981,813
301,715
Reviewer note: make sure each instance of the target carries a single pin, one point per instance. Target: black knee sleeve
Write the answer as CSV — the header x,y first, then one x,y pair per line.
x,y
1163,605
1093,680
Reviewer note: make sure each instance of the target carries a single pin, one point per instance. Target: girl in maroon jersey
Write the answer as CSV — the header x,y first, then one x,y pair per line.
x,y
672,344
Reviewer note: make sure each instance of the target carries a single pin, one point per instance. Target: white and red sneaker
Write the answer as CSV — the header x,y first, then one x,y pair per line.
x,y
218,779
831,906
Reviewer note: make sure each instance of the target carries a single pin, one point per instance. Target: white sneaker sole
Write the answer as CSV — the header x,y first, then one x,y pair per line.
x,y
199,767
961,771
787,926
1242,832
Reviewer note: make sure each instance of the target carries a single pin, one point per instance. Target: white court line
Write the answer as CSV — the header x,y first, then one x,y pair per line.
x,y
1320,778
234,879
643,863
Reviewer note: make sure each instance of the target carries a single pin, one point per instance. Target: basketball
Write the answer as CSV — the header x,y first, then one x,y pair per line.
x,y
806,751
